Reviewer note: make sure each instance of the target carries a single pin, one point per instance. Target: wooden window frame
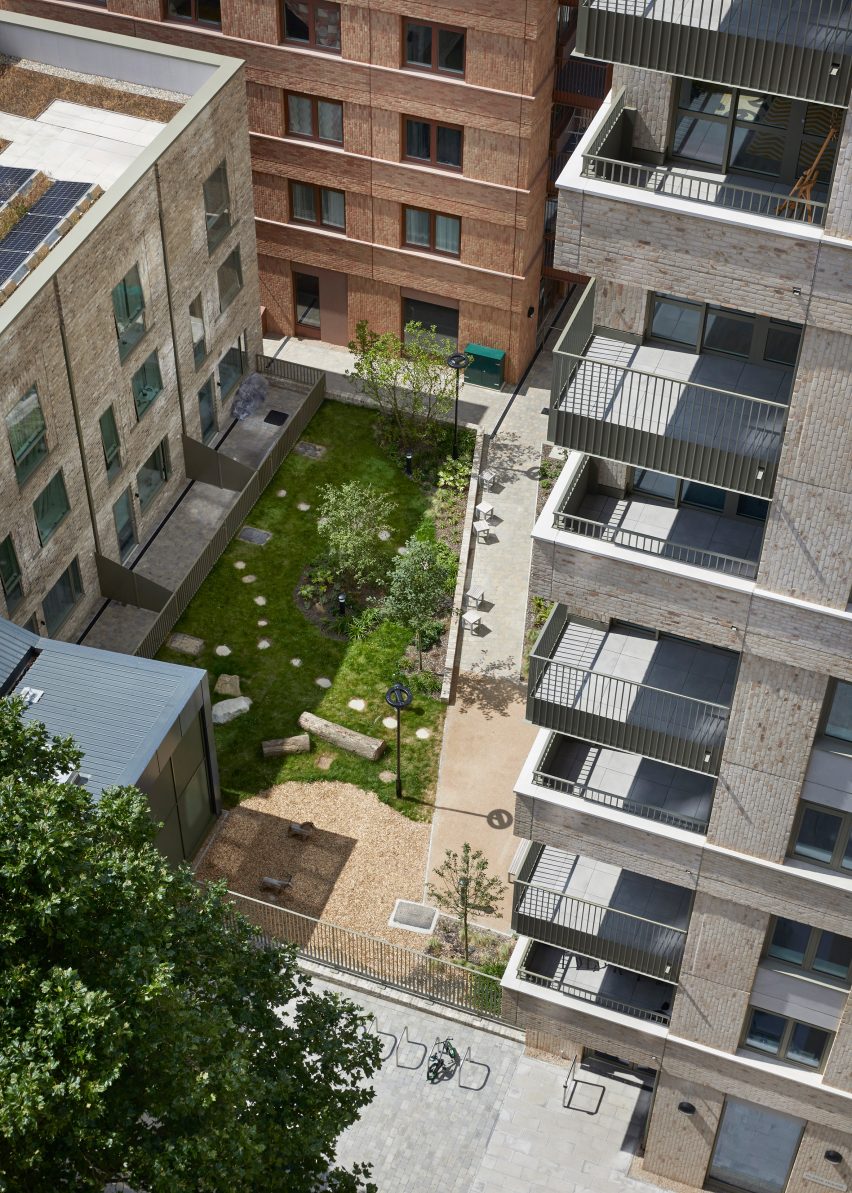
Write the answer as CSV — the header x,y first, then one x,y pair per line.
x,y
432,160
786,1037
311,43
317,188
430,248
434,69
806,966
193,19
315,101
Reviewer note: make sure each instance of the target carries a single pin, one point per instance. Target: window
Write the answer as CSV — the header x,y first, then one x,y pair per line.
x,y
207,410
810,948
232,366
306,288
824,836
310,23
50,507
230,279
10,575
428,230
316,119
125,533
201,12
839,720
196,322
111,444
217,206
317,205
438,144
699,327
153,474
62,598
798,1043
434,47
146,383
27,436
445,320
128,306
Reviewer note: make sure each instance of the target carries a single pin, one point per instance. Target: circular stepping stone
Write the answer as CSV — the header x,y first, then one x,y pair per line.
x,y
295,662
249,579
281,493
402,550
223,651
387,776
358,704
423,734
264,644
303,506
260,600
262,622
389,722
239,565
384,535
323,682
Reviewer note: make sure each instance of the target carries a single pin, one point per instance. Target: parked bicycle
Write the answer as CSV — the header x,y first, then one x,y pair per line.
x,y
443,1061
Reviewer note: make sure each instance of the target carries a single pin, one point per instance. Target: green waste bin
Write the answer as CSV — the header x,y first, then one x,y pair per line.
x,y
486,367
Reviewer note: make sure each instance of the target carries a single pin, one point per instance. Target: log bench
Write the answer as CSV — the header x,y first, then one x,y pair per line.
x,y
277,746
345,739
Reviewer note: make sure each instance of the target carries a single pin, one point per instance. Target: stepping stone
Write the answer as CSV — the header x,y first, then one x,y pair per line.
x,y
358,704
239,565
264,644
260,600
250,534
323,682
281,493
226,710
387,776
223,651
261,621
295,662
185,644
249,579
402,550
303,506
228,685
389,722
384,535
423,734
314,451
324,761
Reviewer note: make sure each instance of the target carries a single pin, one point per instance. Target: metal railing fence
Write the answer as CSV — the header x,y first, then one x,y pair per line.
x,y
591,996
577,76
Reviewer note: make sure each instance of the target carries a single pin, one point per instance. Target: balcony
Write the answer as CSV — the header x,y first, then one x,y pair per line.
x,y
704,538
601,912
704,417
626,783
608,157
801,48
664,697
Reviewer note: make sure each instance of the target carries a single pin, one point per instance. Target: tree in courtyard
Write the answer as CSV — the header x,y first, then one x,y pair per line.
x,y
408,379
141,1034
420,586
465,885
352,516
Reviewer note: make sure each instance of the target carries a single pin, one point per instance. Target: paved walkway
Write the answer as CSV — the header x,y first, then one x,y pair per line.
x,y
502,1128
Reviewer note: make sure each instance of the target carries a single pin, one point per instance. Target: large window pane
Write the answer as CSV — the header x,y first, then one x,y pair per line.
x,y
727,333
231,367
27,436
417,227
62,598
10,575
153,475
839,722
676,321
451,51
217,206
448,234
296,18
147,384
765,1031
445,320
209,12
755,1148
110,441
207,410
807,1044
333,208
327,26
128,305
704,496
196,322
833,955
299,116
230,279
50,507
449,146
700,140
782,343
306,287
329,121
702,97
817,835
418,139
752,507
125,533
303,202
418,44
657,484
757,151
789,941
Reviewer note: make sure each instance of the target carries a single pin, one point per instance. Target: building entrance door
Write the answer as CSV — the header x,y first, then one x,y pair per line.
x,y
755,1148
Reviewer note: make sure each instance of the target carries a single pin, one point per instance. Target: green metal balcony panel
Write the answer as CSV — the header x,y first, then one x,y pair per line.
x,y
800,48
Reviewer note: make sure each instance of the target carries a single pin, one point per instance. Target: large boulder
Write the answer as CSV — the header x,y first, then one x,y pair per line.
x,y
226,710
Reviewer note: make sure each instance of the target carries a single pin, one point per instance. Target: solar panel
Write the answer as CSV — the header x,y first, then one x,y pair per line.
x,y
9,262
12,178
35,227
24,238
60,199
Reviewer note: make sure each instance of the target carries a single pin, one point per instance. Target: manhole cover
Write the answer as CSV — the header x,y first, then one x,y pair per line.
x,y
417,917
277,417
250,534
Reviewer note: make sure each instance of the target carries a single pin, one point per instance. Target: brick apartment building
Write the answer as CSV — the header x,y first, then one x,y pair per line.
x,y
129,305
685,896
401,163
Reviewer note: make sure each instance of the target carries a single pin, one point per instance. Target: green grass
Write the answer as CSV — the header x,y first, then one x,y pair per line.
x,y
224,612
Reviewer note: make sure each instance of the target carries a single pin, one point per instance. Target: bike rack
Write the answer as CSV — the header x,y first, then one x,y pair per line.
x,y
444,1074
372,1025
567,1099
414,1044
468,1059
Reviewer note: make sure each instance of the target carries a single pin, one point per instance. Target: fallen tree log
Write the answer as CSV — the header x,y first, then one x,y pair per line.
x,y
300,743
344,739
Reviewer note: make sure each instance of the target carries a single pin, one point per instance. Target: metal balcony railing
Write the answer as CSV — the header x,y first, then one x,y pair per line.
x,y
543,778
800,48
579,77
590,996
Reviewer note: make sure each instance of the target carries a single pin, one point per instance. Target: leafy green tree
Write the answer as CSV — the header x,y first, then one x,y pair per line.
x,y
352,517
420,586
409,380
465,885
141,1033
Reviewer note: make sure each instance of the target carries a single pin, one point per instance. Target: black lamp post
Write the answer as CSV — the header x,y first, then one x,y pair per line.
x,y
341,604
398,696
457,362
409,456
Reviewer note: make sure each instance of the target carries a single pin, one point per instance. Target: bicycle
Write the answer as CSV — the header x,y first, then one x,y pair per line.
x,y
444,1059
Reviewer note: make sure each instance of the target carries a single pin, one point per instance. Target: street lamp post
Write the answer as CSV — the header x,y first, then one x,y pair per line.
x,y
457,362
398,696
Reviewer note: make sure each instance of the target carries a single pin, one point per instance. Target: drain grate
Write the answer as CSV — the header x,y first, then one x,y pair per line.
x,y
250,534
277,418
416,917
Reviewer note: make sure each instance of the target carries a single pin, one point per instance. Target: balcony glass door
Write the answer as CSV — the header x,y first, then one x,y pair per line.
x,y
755,1148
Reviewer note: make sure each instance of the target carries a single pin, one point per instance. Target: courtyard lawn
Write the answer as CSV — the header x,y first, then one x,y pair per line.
x,y
224,613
